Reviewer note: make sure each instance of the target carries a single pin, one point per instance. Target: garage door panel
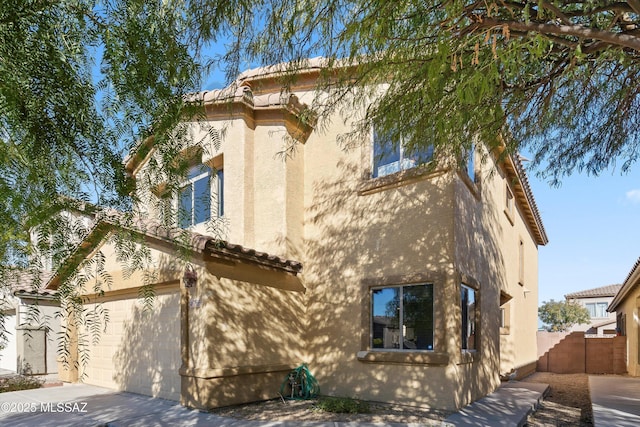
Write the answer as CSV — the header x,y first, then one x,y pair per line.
x,y
140,350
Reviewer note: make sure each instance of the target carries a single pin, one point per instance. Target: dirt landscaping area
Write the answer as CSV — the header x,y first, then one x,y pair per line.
x,y
567,404
305,410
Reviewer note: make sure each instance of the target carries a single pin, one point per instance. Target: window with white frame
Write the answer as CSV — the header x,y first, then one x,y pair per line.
x,y
469,319
195,196
391,156
597,309
402,317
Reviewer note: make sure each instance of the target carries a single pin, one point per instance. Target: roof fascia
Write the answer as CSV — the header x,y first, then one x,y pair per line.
x,y
524,196
629,284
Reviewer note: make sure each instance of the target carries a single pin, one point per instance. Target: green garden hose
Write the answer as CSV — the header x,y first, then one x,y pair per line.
x,y
300,384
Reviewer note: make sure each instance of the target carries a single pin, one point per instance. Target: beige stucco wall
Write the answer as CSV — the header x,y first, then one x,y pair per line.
x,y
428,228
487,248
139,350
240,340
355,240
223,341
630,307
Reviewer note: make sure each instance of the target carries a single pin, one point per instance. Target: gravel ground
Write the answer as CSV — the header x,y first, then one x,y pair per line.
x,y
277,410
567,404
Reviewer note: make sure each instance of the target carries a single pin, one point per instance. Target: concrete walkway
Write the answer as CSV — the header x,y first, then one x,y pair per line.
x,y
615,400
509,405
84,405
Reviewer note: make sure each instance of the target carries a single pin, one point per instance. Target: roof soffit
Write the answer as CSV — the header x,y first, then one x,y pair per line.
x,y
631,282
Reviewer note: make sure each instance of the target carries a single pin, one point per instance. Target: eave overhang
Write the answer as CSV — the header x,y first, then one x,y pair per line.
x,y
206,247
632,280
522,191
238,101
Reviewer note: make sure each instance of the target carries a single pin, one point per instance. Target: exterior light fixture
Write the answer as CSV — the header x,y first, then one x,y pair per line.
x,y
190,277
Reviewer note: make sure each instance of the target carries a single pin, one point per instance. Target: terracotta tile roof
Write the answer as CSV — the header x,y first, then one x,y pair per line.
x,y
305,66
239,93
195,242
535,216
602,291
630,282
522,191
23,283
633,270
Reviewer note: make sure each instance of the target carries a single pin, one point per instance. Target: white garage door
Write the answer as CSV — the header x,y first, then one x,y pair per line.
x,y
140,350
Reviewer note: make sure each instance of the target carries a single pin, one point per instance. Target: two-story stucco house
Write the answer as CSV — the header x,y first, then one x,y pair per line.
x,y
393,281
596,301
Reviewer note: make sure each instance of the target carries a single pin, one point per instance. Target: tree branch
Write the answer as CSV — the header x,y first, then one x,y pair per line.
x,y
635,5
615,39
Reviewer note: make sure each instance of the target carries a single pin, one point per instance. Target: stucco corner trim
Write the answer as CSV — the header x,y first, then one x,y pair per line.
x,y
404,357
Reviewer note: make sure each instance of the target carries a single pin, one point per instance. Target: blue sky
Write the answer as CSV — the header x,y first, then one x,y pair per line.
x,y
593,225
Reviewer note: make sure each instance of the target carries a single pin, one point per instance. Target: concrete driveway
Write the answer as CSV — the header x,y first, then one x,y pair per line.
x,y
615,400
85,405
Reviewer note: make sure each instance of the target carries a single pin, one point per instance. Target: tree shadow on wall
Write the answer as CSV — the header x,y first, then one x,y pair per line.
x,y
147,357
390,234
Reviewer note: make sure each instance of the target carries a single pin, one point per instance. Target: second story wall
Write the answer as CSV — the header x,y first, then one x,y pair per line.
x,y
496,245
256,191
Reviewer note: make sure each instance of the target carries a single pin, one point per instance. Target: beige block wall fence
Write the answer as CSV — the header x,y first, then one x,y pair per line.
x,y
239,336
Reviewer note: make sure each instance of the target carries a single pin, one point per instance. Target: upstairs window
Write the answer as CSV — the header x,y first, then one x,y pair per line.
x,y
597,309
194,204
390,157
402,317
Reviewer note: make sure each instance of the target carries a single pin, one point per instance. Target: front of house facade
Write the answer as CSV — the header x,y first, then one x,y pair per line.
x,y
393,281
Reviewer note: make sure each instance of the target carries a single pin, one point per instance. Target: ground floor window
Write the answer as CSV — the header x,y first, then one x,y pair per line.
x,y
469,318
402,317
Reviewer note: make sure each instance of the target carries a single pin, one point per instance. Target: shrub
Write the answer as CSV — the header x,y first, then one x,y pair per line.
x,y
19,382
343,405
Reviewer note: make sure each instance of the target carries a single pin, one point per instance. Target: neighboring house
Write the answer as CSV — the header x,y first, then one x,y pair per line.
x,y
393,281
31,327
596,300
31,313
626,306
8,343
